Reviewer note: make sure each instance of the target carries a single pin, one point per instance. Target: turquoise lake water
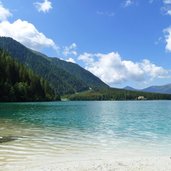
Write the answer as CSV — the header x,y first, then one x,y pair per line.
x,y
84,128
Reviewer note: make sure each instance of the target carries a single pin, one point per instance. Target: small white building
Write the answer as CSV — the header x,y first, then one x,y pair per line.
x,y
141,98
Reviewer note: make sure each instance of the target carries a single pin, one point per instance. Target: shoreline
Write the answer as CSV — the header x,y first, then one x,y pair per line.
x,y
86,137
108,164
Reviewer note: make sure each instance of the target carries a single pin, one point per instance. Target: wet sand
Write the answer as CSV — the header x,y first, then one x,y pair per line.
x,y
125,164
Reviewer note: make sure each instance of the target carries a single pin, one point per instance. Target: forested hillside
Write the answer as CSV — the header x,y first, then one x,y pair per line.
x,y
65,77
117,94
18,83
80,73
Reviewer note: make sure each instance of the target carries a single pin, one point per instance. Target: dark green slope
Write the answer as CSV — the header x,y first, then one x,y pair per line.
x,y
80,73
117,94
18,83
63,76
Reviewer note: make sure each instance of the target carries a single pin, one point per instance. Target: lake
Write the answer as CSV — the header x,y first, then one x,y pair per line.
x,y
65,131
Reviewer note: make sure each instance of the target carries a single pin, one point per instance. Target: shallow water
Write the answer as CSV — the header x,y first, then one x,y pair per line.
x,y
65,130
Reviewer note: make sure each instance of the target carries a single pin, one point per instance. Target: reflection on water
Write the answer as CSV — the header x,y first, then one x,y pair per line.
x,y
56,130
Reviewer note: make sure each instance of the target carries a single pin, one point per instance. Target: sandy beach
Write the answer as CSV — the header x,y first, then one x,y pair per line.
x,y
125,164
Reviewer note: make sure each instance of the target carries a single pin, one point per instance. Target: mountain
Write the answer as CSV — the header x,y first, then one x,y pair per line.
x,y
18,83
163,89
64,77
166,89
129,88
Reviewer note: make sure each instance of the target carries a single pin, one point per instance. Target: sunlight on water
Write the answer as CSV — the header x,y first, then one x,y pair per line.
x,y
66,129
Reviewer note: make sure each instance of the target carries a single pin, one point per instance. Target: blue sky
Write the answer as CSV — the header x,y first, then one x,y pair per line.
x,y
124,42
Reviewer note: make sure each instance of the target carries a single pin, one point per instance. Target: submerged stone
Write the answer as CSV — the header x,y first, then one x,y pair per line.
x,y
7,139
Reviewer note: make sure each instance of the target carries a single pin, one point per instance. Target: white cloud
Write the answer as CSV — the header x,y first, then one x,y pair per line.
x,y
113,70
128,3
153,70
70,50
166,7
167,32
4,13
26,33
167,1
71,60
23,31
86,58
169,12
44,6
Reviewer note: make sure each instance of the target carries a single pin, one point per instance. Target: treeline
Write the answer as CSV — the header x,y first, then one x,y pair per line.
x,y
64,77
117,94
18,83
